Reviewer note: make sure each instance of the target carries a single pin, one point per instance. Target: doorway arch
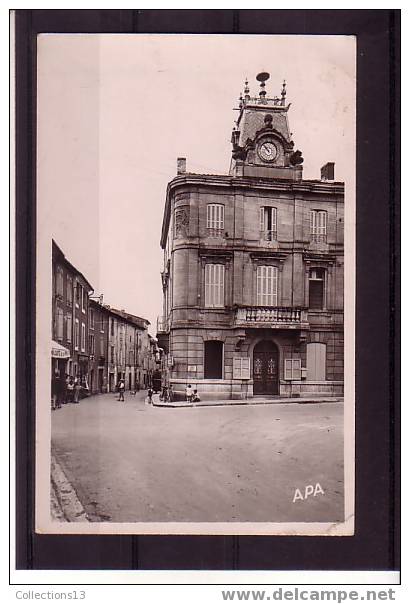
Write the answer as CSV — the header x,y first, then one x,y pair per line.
x,y
265,368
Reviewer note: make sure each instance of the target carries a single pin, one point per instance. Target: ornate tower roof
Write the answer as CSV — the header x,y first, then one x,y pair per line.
x,y
261,138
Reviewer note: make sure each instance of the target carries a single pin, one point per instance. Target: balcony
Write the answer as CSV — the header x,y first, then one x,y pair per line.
x,y
163,333
271,317
162,325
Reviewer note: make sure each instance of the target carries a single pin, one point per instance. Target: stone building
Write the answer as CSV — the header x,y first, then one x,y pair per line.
x,y
253,268
70,300
126,349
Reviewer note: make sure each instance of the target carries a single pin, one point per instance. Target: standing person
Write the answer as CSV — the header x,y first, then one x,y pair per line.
x,y
70,390
77,390
121,388
170,394
188,393
150,393
64,383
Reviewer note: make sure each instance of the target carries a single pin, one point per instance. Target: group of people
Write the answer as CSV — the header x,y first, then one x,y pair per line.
x,y
64,389
191,395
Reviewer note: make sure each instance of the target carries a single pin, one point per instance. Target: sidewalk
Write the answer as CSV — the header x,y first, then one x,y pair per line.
x,y
250,401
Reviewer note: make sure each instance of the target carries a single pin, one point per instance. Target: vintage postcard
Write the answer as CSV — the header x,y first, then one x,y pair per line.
x,y
195,284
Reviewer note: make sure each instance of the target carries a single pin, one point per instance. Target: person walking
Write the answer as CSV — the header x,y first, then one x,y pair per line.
x,y
150,393
188,393
121,388
77,390
170,394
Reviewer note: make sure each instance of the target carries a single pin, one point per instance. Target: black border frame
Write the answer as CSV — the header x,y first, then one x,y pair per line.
x,y
375,545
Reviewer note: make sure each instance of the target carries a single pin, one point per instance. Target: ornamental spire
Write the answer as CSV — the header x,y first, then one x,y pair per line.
x,y
283,93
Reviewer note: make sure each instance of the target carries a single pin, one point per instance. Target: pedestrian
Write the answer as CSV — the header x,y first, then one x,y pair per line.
x,y
150,393
188,393
77,390
195,397
170,394
64,383
70,390
121,388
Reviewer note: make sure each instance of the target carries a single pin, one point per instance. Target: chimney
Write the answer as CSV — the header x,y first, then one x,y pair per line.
x,y
181,165
327,172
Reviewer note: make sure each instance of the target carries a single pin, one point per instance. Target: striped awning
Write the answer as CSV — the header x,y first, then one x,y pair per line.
x,y
58,351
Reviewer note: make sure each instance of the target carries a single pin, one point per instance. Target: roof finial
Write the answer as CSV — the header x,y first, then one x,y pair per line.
x,y
262,77
246,90
283,93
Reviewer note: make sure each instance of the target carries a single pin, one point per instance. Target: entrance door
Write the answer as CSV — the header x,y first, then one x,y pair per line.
x,y
100,379
265,368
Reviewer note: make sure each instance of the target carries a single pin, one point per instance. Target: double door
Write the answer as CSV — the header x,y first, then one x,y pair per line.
x,y
265,368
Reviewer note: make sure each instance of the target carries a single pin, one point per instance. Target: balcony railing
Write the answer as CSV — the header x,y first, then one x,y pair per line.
x,y
162,325
267,316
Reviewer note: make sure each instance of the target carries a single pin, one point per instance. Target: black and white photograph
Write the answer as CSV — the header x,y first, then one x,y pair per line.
x,y
195,284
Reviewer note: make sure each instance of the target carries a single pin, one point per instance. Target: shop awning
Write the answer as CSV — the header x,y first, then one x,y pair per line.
x,y
58,351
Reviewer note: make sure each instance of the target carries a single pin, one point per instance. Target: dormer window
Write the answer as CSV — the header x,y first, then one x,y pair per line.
x,y
268,224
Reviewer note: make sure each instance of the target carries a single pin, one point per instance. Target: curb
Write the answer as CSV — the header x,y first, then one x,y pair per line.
x,y
70,506
249,402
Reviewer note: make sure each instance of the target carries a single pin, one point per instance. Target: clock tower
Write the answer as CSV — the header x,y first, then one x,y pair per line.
x,y
261,140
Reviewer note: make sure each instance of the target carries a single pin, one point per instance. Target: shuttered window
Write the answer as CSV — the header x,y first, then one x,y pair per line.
x,y
293,369
214,285
267,286
59,282
318,225
215,216
69,327
268,223
316,362
82,337
60,323
77,334
242,368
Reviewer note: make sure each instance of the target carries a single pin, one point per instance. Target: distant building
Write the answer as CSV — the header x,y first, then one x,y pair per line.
x,y
127,335
253,268
70,299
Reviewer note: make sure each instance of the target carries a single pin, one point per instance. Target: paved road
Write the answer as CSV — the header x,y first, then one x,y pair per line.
x,y
131,462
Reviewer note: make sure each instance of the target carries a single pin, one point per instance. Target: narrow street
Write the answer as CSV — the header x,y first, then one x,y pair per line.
x,y
132,462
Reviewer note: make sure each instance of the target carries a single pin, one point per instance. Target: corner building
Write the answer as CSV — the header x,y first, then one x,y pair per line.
x,y
253,268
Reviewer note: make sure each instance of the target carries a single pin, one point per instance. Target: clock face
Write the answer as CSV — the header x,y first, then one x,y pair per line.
x,y
267,151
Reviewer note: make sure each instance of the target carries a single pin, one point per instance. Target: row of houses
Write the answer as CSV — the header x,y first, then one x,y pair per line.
x,y
92,341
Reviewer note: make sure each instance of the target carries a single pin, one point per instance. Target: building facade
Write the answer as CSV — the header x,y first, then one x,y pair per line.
x,y
253,268
94,342
70,318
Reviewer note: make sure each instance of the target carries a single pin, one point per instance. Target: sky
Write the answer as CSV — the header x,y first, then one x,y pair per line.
x,y
115,112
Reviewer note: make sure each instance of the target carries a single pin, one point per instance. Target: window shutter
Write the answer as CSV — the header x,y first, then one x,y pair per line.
x,y
262,219
296,369
312,222
316,362
274,220
288,369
